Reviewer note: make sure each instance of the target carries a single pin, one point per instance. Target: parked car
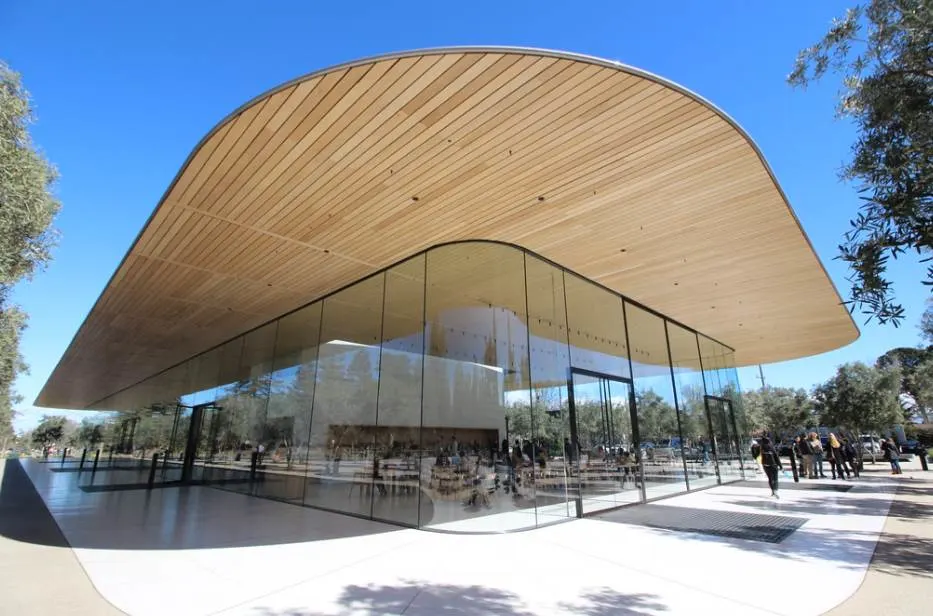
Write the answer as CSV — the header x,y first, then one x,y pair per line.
x,y
784,448
666,449
871,447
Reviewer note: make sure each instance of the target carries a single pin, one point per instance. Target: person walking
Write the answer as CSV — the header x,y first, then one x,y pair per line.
x,y
771,463
837,459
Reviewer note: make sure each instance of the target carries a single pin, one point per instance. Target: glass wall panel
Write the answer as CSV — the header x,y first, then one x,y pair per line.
x,y
202,372
174,383
343,418
471,388
605,454
597,328
662,443
556,486
397,435
726,444
246,401
476,391
288,414
232,460
695,428
732,391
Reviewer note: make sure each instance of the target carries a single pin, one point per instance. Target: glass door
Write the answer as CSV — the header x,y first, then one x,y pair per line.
x,y
604,456
724,437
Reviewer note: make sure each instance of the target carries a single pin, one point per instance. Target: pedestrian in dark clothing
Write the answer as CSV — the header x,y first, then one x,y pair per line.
x,y
837,460
798,452
806,452
850,455
771,463
893,456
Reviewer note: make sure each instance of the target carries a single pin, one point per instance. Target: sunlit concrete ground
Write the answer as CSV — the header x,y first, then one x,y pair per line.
x,y
201,550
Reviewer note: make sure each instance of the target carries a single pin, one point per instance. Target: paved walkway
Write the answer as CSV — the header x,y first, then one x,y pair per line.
x,y
204,551
39,573
900,578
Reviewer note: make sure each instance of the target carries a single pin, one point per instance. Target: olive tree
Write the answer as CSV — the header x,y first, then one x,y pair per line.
x,y
27,208
883,51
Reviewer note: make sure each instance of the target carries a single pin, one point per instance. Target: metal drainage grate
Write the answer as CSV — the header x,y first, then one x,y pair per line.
x,y
735,525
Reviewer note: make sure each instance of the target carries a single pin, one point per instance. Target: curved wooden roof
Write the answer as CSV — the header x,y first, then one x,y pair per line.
x,y
611,172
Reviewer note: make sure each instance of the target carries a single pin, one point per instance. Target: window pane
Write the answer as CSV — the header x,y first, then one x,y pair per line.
x,y
344,414
726,444
658,426
476,367
550,365
398,426
246,401
288,415
597,328
688,376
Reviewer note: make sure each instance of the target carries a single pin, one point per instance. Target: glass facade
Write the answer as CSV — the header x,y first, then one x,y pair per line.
x,y
474,387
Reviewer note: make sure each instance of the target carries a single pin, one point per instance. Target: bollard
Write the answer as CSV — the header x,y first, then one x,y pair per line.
x,y
96,458
793,465
83,458
152,469
64,453
923,460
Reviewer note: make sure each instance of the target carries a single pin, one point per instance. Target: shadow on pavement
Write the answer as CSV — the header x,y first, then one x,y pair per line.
x,y
416,598
23,516
168,519
849,506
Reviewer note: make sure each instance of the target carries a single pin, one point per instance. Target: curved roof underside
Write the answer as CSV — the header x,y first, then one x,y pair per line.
x,y
616,174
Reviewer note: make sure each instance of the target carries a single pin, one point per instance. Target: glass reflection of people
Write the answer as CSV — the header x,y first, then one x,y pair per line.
x,y
338,454
377,478
517,463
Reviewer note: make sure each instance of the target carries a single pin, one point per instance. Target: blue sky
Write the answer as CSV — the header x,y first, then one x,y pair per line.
x,y
124,91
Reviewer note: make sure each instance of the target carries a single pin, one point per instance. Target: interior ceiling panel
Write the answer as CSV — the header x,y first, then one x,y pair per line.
x,y
616,174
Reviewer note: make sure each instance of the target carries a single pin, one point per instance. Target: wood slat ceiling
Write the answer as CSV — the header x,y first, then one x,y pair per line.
x,y
618,175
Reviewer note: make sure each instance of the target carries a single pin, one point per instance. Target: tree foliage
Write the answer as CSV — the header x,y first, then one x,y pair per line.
x,y
860,397
777,410
915,366
50,431
926,323
884,52
27,208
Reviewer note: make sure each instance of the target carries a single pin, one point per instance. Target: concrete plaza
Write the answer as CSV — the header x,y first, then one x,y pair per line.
x,y
730,549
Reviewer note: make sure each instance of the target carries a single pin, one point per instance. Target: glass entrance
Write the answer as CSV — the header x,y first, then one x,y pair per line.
x,y
724,438
603,453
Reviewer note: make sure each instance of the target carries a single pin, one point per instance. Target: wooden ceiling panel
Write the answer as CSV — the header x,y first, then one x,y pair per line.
x,y
618,175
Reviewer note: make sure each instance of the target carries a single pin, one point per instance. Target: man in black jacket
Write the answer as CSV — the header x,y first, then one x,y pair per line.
x,y
771,463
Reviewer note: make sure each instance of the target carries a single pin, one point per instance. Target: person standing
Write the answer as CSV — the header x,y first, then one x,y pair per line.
x,y
771,463
806,452
837,459
893,456
851,456
817,448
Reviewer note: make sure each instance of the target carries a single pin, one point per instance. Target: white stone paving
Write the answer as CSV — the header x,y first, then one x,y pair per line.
x,y
205,551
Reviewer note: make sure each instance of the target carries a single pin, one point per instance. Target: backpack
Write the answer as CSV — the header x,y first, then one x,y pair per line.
x,y
756,450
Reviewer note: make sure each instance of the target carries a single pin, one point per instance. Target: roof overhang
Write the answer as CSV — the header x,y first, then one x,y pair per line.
x,y
619,175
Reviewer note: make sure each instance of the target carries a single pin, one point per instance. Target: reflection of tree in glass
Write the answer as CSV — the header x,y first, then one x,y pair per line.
x,y
657,420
